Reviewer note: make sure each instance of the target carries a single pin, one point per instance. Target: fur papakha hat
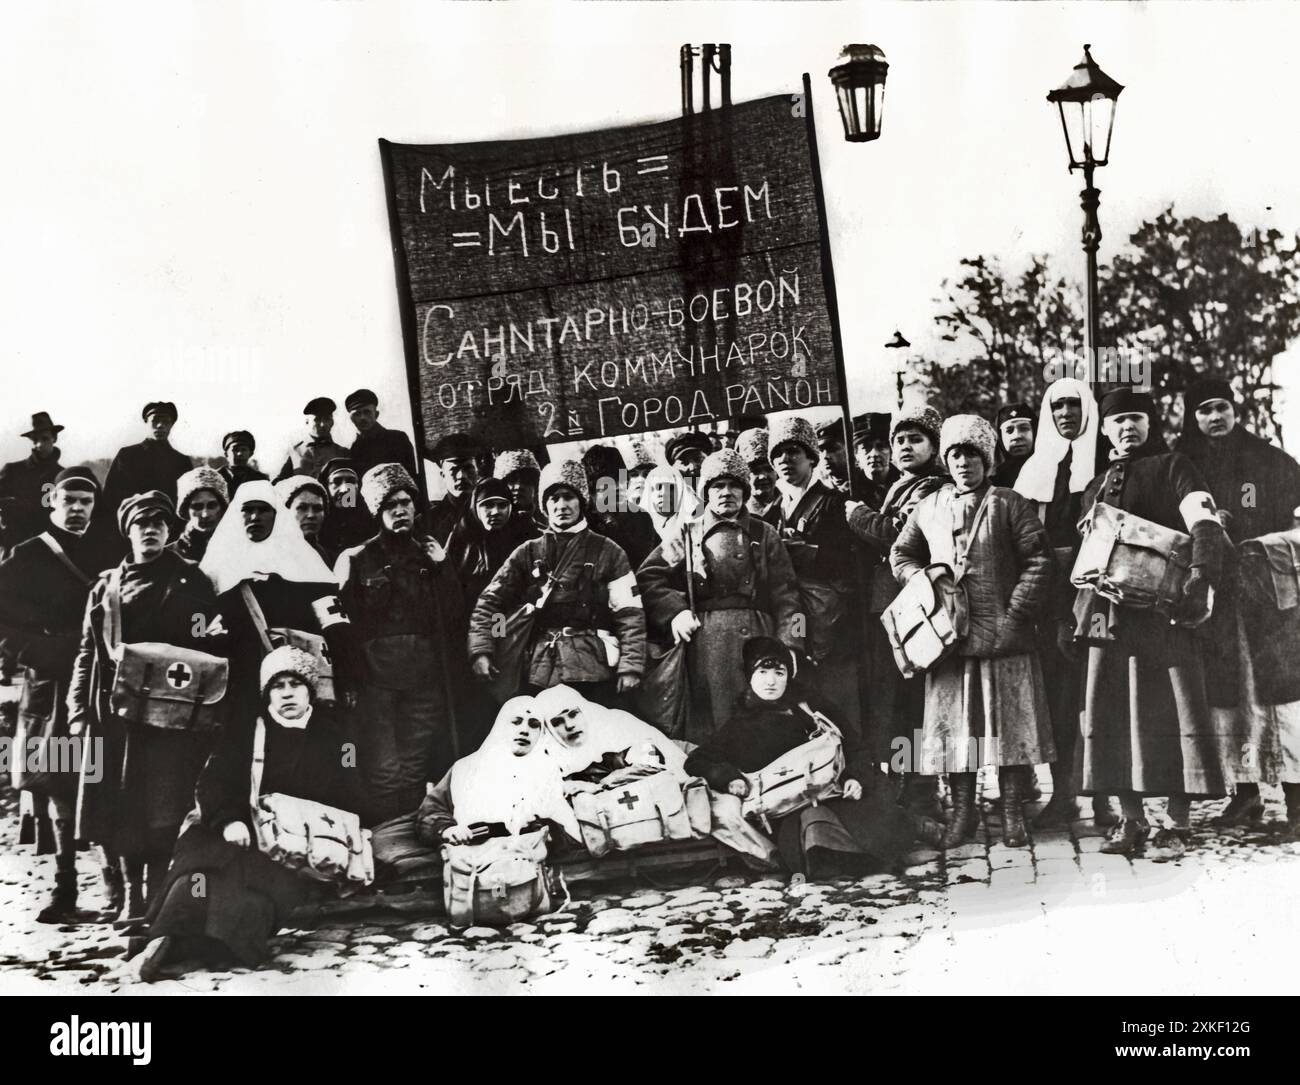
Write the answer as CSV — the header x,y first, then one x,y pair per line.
x,y
638,456
752,445
924,418
972,430
792,428
201,478
289,660
725,463
382,481
568,473
515,459
289,488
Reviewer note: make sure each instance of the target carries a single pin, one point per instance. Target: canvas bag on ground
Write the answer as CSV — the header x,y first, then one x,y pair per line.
x,y
503,880
317,841
800,777
645,810
928,619
1131,561
161,685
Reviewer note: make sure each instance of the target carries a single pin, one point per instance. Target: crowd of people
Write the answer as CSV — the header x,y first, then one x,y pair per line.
x,y
477,659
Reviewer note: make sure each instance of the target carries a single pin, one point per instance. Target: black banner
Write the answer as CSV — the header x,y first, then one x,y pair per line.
x,y
613,282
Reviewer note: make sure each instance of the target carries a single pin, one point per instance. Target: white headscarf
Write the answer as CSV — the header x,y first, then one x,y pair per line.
x,y
1037,479
608,730
688,505
494,785
232,557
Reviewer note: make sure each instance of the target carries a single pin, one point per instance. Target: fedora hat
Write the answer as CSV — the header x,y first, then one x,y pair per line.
x,y
41,421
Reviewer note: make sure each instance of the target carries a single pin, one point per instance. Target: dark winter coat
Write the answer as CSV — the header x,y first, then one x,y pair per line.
x,y
879,528
146,787
1254,482
136,469
1008,568
379,444
25,489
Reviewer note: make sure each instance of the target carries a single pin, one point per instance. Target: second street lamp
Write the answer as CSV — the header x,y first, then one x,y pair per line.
x,y
1086,102
859,81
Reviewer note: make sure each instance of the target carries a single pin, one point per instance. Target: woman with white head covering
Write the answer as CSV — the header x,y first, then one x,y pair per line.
x,y
669,500
1064,461
269,577
508,785
589,741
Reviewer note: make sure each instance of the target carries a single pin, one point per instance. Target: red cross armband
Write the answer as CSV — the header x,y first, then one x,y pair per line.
x,y
329,611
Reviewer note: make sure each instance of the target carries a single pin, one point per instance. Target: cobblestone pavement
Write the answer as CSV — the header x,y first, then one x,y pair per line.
x,y
1054,917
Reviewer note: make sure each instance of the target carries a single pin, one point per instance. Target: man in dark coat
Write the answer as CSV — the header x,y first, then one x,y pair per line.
x,y
315,450
150,465
896,706
43,589
686,452
871,457
815,531
1015,426
26,486
347,521
405,604
457,457
238,447
376,443
1256,488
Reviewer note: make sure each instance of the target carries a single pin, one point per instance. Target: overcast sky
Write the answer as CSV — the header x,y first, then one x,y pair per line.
x,y
192,206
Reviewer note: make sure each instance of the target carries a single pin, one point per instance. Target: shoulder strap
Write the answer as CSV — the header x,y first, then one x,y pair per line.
x,y
255,613
113,608
58,551
960,571
259,763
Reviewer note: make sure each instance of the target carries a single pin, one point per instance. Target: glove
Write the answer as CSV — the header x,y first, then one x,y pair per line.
x,y
1065,641
1194,607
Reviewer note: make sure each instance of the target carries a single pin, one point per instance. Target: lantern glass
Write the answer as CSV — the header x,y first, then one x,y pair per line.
x,y
859,83
1087,106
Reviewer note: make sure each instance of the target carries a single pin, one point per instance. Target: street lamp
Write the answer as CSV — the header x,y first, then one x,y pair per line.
x,y
1086,102
859,82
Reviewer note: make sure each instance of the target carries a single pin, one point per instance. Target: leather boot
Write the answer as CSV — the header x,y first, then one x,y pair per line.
x,y
1061,808
961,827
921,796
114,889
1245,807
63,905
1011,782
1292,792
133,908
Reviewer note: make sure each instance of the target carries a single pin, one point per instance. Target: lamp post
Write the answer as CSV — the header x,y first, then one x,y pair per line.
x,y
1086,102
900,366
859,81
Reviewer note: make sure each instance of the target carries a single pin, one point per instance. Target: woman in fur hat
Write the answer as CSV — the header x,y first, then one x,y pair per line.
x,y
201,500
247,897
589,629
892,713
863,832
715,582
985,704
1147,724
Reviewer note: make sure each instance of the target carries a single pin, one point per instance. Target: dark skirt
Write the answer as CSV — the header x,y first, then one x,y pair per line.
x,y
868,836
1147,727
228,894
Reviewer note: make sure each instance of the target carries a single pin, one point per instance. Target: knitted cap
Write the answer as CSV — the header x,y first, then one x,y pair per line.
x,y
759,650
792,428
515,459
289,488
752,446
568,473
1206,389
382,481
1127,401
78,478
924,418
968,429
289,660
201,478
725,463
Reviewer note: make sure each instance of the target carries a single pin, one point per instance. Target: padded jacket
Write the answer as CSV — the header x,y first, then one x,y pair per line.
x,y
1008,570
